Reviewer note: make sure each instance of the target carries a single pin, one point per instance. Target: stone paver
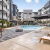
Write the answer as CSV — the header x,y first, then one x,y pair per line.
x,y
9,45
30,40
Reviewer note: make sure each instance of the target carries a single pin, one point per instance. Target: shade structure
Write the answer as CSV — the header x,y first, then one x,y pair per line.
x,y
45,16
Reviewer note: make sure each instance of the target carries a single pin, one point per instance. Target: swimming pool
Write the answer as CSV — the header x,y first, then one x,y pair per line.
x,y
31,27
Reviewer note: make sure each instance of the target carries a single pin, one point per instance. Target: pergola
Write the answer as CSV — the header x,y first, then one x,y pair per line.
x,y
45,16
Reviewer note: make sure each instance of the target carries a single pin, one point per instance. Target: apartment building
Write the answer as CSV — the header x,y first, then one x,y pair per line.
x,y
26,16
10,9
20,16
5,9
39,11
45,9
34,14
15,10
44,12
23,16
15,14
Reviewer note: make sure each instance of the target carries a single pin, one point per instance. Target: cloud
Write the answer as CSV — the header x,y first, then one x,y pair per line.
x,y
28,1
37,1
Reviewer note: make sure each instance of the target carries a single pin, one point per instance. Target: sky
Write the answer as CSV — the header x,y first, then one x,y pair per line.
x,y
34,5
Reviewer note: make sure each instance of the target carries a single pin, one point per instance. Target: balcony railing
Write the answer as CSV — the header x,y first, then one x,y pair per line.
x,y
4,8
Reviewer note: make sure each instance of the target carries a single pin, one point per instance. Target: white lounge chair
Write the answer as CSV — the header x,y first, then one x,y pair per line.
x,y
49,34
44,38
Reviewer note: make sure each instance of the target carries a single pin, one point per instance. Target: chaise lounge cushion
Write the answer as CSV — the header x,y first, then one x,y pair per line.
x,y
46,37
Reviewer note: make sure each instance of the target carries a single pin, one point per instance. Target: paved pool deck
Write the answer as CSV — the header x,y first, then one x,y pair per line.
x,y
28,40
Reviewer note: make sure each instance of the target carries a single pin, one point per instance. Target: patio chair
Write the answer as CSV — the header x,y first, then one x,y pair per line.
x,y
42,39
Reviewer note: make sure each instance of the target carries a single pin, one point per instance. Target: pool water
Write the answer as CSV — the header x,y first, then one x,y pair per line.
x,y
31,27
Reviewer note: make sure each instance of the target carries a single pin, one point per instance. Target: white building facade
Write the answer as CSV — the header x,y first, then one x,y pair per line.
x,y
5,9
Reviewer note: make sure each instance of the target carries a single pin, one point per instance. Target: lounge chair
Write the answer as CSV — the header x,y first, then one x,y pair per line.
x,y
42,39
19,30
49,34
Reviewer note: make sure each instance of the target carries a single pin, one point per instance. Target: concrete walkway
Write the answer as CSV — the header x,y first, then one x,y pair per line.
x,y
28,41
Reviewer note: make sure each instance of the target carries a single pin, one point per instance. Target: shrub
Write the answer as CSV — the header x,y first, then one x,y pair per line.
x,y
9,24
2,21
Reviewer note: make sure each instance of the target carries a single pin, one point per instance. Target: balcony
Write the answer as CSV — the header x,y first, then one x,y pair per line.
x,y
4,2
4,16
4,9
